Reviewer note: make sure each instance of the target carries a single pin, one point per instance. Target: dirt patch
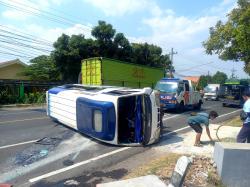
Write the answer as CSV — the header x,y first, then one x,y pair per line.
x,y
201,173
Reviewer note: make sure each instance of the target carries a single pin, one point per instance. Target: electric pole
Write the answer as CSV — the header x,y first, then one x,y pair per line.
x,y
233,73
171,68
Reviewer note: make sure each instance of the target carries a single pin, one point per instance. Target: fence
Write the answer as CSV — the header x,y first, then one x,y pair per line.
x,y
18,91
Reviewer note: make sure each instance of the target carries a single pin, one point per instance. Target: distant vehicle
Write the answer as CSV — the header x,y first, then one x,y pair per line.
x,y
212,92
105,71
115,115
178,94
232,92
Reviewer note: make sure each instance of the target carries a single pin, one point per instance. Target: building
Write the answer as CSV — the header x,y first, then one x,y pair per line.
x,y
12,70
194,79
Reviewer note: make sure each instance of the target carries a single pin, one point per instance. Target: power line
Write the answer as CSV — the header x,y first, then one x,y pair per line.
x,y
195,67
20,51
25,45
21,39
42,14
25,35
16,55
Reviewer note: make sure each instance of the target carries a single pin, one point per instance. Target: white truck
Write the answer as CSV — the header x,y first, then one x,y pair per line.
x,y
212,92
178,94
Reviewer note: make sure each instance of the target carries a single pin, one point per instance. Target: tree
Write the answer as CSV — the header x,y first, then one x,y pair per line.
x,y
42,68
123,47
231,40
104,33
149,55
219,78
71,50
203,81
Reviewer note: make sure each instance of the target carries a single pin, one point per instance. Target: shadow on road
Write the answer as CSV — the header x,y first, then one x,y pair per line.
x,y
87,179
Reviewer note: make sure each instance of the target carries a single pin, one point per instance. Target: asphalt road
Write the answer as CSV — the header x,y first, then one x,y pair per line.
x,y
64,153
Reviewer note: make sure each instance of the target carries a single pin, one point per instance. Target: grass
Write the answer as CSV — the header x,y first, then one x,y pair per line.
x,y
234,122
162,167
214,180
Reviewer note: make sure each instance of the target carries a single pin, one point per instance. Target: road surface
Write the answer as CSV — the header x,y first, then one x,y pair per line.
x,y
64,153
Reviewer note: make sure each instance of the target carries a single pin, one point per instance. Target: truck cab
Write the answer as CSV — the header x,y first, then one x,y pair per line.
x,y
212,92
178,94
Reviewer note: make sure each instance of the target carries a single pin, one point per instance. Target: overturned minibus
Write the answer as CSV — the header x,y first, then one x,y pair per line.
x,y
114,115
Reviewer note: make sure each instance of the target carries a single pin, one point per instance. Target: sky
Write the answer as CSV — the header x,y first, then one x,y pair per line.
x,y
178,24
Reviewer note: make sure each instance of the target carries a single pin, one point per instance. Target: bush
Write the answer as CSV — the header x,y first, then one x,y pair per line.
x,y
37,97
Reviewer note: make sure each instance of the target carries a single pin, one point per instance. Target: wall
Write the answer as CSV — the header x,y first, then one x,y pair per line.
x,y
12,72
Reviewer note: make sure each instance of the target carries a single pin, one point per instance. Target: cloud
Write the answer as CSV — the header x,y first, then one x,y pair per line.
x,y
123,7
53,33
22,9
185,35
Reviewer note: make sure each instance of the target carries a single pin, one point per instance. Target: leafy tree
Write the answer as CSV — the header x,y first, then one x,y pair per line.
x,y
203,81
150,55
123,47
231,40
70,50
68,53
104,33
219,78
42,68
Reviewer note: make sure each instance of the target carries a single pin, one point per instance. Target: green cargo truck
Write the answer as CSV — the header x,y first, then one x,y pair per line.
x,y
105,71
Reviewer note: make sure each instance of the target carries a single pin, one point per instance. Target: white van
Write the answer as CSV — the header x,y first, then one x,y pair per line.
x,y
212,91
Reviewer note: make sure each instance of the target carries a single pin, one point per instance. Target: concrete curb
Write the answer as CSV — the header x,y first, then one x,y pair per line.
x,y
22,105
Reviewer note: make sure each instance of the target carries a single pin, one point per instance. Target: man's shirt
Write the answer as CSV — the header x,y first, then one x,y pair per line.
x,y
246,109
200,118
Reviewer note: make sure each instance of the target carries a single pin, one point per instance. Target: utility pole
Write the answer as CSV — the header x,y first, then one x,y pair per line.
x,y
171,69
233,73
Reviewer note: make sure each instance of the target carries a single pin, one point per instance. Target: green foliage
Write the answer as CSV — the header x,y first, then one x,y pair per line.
x,y
231,40
42,68
203,81
219,78
37,97
70,50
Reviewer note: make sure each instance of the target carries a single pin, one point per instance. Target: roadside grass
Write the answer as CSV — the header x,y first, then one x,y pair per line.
x,y
161,167
201,172
234,122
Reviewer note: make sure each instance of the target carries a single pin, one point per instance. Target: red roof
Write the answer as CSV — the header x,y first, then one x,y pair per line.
x,y
194,79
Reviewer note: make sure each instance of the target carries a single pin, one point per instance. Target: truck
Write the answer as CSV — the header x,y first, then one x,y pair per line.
x,y
114,115
232,91
178,94
105,71
212,92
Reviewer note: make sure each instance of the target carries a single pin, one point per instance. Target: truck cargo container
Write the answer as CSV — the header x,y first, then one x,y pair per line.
x,y
105,71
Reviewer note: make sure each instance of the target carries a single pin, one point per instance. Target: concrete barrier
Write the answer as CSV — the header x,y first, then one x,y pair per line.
x,y
233,163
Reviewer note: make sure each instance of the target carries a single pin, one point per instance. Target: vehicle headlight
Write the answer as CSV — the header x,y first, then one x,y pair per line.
x,y
97,121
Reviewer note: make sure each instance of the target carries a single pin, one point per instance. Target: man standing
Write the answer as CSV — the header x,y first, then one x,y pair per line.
x,y
196,121
244,134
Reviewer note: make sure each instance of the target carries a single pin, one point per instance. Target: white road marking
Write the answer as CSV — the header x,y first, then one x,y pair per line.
x,y
30,119
13,145
77,165
171,117
47,175
172,132
229,113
